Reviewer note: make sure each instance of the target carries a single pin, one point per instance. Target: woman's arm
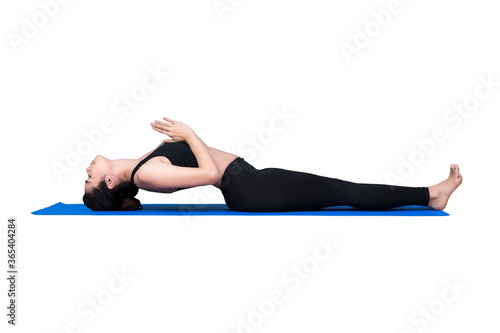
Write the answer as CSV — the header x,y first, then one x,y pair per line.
x,y
203,157
156,176
161,177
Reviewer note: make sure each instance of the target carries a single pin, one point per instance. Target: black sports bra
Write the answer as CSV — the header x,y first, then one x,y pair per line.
x,y
178,153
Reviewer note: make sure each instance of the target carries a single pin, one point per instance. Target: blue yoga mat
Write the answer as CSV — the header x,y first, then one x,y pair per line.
x,y
221,209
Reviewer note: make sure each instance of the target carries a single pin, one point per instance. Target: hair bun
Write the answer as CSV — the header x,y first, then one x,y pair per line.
x,y
130,204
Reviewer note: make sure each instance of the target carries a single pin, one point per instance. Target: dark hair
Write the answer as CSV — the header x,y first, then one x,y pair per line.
x,y
120,197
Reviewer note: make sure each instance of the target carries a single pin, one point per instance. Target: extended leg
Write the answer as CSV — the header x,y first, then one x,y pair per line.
x,y
246,188
274,189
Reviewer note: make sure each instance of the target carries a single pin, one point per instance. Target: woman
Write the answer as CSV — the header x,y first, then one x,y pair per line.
x,y
185,161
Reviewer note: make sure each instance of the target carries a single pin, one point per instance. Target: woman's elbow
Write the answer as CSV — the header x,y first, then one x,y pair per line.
x,y
213,177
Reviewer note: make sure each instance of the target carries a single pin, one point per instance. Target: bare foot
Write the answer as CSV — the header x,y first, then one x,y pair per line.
x,y
440,193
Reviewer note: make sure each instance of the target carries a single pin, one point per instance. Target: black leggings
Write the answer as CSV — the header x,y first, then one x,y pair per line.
x,y
246,188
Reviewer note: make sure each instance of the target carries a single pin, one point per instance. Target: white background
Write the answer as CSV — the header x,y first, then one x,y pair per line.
x,y
352,120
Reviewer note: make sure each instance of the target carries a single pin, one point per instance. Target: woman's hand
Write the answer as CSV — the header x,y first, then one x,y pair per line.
x,y
178,131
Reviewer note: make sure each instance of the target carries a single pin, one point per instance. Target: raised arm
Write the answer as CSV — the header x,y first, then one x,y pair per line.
x,y
156,177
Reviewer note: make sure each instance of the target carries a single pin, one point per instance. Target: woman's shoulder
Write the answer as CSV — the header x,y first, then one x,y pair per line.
x,y
149,153
148,175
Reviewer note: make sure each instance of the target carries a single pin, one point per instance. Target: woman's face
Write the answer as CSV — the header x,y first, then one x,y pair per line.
x,y
96,171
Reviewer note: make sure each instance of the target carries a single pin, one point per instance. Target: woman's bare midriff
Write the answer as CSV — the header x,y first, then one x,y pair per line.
x,y
222,159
